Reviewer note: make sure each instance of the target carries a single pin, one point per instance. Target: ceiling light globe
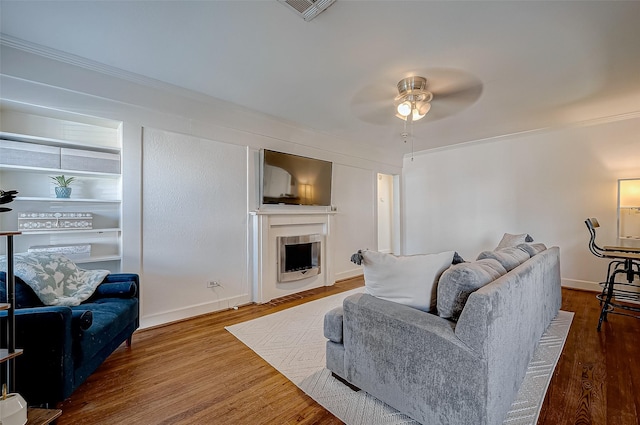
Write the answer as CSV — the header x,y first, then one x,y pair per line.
x,y
404,109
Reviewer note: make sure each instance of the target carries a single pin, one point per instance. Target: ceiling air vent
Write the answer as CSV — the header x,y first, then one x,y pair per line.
x,y
308,9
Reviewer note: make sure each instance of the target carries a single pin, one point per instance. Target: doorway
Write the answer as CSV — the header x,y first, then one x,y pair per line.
x,y
388,214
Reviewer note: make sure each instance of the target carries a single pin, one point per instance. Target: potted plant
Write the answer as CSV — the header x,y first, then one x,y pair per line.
x,y
7,196
62,186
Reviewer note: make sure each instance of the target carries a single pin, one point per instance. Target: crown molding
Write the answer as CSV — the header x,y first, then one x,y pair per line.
x,y
585,123
75,60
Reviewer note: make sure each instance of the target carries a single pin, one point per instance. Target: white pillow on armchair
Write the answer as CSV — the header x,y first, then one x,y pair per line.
x,y
410,279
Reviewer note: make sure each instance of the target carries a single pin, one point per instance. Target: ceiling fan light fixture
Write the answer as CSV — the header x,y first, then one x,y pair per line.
x,y
416,115
412,102
404,108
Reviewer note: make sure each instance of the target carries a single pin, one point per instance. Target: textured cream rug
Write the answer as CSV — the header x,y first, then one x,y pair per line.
x,y
292,341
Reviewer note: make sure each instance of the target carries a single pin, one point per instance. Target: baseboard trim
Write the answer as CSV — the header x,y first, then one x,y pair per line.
x,y
166,317
583,285
349,274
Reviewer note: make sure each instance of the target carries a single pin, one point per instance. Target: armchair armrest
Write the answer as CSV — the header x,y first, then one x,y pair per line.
x,y
45,335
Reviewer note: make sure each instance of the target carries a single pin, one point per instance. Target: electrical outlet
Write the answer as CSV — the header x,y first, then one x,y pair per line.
x,y
213,284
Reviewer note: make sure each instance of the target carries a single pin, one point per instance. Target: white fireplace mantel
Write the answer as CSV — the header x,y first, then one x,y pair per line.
x,y
267,226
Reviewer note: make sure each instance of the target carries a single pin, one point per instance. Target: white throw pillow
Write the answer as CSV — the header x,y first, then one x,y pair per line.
x,y
410,280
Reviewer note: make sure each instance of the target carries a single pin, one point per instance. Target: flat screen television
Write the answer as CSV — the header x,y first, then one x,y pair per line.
x,y
294,180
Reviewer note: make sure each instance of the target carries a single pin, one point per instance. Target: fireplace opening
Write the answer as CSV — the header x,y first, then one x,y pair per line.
x,y
299,257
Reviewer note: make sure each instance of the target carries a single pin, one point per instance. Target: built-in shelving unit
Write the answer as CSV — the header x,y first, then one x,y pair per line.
x,y
37,144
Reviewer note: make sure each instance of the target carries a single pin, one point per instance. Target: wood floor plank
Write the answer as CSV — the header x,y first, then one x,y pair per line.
x,y
195,372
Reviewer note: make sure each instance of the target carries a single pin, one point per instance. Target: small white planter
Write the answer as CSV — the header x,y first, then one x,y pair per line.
x,y
13,410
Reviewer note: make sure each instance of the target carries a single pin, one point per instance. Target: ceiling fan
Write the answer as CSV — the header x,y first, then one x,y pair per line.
x,y
446,93
413,101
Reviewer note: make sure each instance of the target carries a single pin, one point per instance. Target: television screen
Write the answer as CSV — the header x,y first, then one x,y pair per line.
x,y
295,180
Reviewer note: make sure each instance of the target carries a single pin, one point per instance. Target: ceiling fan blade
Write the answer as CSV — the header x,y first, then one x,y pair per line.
x,y
374,104
453,93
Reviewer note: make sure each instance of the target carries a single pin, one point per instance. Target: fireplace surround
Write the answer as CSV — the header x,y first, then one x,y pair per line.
x,y
271,227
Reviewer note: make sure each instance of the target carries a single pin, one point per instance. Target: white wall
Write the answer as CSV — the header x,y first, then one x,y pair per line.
x,y
195,131
194,225
546,183
355,221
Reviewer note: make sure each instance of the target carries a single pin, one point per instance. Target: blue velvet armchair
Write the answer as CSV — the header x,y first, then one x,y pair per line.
x,y
64,345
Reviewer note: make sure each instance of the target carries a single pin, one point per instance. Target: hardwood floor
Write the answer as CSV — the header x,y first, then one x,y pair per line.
x,y
195,372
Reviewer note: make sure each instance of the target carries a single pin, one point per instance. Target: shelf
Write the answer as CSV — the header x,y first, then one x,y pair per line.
x,y
5,355
10,233
45,199
5,306
62,232
55,142
96,259
37,416
56,171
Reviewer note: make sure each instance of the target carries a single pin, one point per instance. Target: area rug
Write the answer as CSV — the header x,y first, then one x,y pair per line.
x,y
292,341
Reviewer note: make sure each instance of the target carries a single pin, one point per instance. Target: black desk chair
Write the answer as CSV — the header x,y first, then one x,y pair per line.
x,y
623,260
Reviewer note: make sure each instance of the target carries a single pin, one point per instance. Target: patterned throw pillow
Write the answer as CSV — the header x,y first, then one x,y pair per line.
x,y
54,278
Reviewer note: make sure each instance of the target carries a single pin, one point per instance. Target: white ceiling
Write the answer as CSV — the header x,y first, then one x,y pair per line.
x,y
530,65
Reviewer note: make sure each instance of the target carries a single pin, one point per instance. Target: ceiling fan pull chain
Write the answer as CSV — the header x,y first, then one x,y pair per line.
x,y
412,138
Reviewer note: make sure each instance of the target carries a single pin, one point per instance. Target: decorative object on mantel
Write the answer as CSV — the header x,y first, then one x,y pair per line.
x,y
63,190
37,221
6,197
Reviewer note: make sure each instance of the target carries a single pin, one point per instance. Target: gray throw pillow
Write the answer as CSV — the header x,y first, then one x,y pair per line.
x,y
460,280
532,248
510,258
513,240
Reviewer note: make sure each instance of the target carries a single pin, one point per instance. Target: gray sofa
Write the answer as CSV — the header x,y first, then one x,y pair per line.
x,y
443,371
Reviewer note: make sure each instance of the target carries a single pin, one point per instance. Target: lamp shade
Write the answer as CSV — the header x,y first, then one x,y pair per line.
x,y
629,193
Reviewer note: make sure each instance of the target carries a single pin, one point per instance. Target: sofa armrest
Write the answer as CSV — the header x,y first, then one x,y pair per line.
x,y
412,360
45,335
333,325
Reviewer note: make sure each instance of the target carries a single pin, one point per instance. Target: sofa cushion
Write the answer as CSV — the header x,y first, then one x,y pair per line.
x,y
409,280
510,258
513,240
110,317
532,248
460,280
